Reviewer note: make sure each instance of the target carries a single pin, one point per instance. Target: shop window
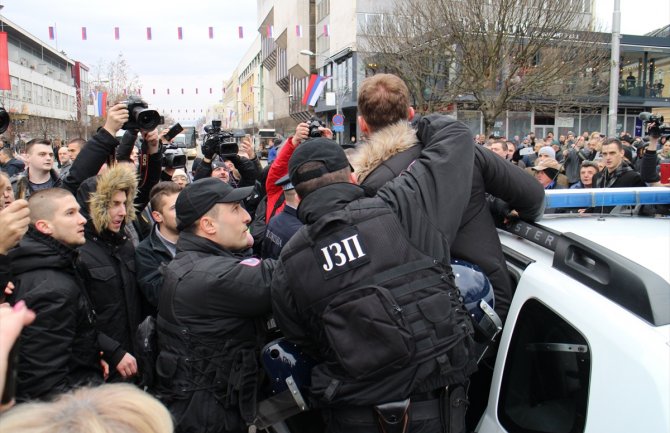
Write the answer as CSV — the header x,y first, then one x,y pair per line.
x,y
545,384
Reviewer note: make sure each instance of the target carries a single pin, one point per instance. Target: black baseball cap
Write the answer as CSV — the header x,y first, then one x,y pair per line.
x,y
321,149
200,196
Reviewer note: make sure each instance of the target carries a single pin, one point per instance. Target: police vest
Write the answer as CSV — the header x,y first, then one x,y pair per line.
x,y
380,310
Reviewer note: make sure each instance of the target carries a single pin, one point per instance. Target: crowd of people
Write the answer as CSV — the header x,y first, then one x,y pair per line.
x,y
142,286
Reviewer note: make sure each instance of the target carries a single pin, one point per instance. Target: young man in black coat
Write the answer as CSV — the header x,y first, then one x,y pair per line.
x,y
59,351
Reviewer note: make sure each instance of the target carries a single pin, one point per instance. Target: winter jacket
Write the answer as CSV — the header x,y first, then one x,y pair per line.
x,y
59,350
109,260
13,167
149,256
211,310
426,205
23,188
392,149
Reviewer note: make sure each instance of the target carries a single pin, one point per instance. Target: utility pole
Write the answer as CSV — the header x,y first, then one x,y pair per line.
x,y
614,70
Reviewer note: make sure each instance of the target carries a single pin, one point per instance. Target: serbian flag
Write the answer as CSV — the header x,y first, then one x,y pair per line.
x,y
269,32
298,31
180,33
314,89
211,32
240,32
196,90
117,33
182,91
168,91
52,33
5,83
83,34
148,33
101,104
326,30
210,90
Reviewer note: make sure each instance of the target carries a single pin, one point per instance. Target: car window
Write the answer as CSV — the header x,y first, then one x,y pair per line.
x,y
545,382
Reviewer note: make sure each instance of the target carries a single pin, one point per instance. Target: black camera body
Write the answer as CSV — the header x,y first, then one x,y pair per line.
x,y
140,116
314,124
172,157
221,142
4,120
659,129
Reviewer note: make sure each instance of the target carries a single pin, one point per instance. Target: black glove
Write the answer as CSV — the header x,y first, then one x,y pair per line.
x,y
208,150
124,149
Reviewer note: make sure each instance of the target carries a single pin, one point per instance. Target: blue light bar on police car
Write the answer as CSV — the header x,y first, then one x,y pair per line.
x,y
585,198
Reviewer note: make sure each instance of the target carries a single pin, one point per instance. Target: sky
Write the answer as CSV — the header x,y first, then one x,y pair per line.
x,y
164,62
197,61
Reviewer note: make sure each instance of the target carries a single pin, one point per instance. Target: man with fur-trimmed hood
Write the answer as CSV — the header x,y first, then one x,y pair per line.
x,y
109,258
392,146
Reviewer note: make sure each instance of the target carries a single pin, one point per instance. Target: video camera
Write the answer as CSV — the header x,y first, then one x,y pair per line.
x,y
314,124
140,116
172,157
221,142
659,129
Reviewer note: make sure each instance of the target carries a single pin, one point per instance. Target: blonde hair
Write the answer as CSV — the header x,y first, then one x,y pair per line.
x,y
111,408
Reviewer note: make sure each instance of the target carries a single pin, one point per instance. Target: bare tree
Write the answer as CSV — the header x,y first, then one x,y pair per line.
x,y
495,53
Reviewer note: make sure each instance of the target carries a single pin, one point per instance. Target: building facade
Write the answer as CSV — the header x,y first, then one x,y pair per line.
x,y
48,90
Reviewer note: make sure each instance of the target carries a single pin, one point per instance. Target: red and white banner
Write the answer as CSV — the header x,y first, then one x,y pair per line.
x,y
5,82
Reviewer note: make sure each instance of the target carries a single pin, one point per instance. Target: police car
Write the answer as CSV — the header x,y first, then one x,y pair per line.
x,y
586,345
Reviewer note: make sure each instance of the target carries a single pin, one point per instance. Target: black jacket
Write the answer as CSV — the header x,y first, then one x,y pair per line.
x,y
249,170
279,231
59,350
211,310
427,201
391,150
150,254
13,167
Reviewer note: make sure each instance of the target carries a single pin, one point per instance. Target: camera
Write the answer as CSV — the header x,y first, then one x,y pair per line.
x,y
314,124
140,116
221,142
172,157
4,120
659,129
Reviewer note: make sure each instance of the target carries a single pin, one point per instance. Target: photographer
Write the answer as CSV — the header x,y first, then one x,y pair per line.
x,y
245,161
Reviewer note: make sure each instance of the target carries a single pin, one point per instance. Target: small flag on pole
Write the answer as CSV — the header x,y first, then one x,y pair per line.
x,y
298,31
196,90
148,33
168,91
52,33
210,90
182,91
269,32
154,91
326,30
117,34
83,33
211,32
101,104
314,89
240,32
180,34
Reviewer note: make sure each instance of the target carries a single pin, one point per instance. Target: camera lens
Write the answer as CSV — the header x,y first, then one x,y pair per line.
x,y
147,119
4,120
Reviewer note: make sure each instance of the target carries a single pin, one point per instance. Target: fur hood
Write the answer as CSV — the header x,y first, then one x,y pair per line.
x,y
381,146
95,194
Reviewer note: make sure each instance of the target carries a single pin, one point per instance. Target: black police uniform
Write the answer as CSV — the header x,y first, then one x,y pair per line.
x,y
279,231
386,322
212,310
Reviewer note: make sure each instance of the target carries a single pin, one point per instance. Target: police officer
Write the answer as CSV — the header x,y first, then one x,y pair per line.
x,y
356,290
211,310
283,226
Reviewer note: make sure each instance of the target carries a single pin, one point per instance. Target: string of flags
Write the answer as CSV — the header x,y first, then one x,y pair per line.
x,y
269,32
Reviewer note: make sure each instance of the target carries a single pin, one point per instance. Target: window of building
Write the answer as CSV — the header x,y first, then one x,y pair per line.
x,y
48,97
26,90
545,384
322,9
38,92
57,100
14,82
